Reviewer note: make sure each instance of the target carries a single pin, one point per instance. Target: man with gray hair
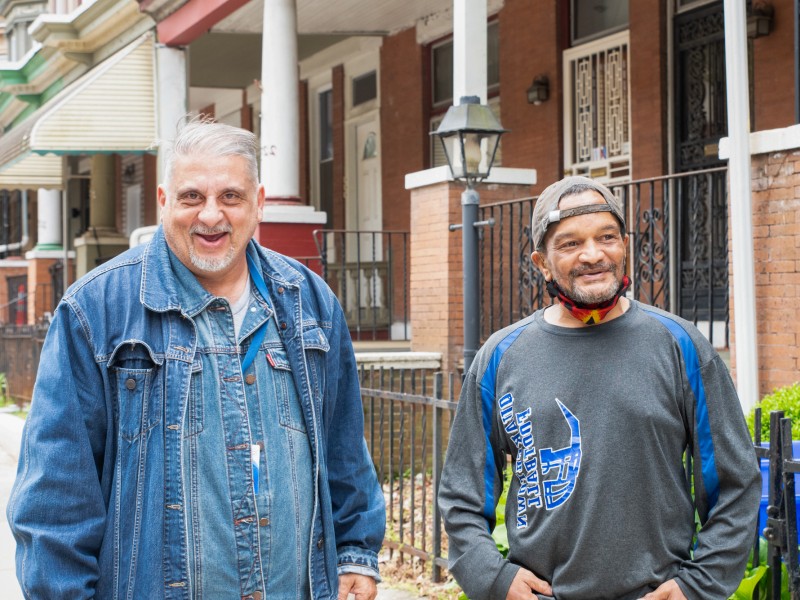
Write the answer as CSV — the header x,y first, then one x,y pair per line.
x,y
196,429
597,398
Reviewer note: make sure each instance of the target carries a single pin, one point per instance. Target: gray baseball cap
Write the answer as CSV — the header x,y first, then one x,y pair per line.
x,y
546,211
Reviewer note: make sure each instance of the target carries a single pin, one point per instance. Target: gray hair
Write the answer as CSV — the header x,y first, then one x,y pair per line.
x,y
202,136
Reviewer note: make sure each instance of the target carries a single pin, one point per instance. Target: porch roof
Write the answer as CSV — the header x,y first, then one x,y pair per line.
x,y
119,96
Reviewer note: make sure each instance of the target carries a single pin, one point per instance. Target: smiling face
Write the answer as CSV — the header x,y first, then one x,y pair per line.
x,y
584,254
210,209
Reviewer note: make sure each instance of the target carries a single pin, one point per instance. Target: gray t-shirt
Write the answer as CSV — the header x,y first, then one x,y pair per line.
x,y
596,421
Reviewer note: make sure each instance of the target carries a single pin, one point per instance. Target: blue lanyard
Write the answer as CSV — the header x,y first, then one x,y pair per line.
x,y
258,336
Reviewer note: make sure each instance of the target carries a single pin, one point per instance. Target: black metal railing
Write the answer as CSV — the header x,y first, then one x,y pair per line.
x,y
369,273
780,529
408,414
511,286
677,252
20,349
678,227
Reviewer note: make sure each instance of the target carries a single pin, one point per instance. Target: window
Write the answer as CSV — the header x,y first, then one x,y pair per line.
x,y
597,109
365,88
442,67
591,19
18,40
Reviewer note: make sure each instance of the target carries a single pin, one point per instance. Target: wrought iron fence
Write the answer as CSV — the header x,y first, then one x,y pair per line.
x,y
677,252
780,529
20,348
678,227
511,286
408,414
369,273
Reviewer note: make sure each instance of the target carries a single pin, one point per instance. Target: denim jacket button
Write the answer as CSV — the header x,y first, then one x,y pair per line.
x,y
280,290
250,379
283,325
263,521
130,384
320,543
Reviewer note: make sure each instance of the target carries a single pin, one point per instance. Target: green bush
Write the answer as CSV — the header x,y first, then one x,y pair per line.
x,y
786,399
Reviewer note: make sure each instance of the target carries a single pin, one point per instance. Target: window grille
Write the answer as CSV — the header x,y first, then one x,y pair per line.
x,y
597,109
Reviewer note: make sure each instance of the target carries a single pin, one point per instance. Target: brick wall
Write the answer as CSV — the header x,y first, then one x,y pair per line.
x,y
303,173
649,98
773,75
403,132
776,241
530,46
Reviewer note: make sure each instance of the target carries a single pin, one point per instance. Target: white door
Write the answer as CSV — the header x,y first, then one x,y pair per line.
x,y
365,215
368,178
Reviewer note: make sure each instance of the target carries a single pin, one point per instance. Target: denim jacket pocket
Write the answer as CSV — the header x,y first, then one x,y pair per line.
x,y
134,375
316,346
290,411
193,421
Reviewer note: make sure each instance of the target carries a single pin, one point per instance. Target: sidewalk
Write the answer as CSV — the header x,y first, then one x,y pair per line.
x,y
10,438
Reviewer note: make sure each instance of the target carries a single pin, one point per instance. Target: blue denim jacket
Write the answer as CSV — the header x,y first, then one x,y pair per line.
x,y
97,507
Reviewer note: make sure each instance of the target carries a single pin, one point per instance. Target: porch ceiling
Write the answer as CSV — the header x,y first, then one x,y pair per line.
x,y
339,17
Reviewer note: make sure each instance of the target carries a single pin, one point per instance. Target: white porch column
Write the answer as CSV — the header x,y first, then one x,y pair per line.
x,y
469,49
744,301
280,119
172,85
49,220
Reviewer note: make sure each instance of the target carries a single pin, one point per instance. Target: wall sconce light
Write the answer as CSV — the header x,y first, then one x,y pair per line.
x,y
539,90
129,174
759,22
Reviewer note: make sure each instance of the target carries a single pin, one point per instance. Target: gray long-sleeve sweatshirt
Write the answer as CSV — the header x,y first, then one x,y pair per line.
x,y
596,421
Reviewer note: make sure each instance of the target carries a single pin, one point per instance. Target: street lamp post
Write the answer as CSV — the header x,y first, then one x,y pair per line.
x,y
469,134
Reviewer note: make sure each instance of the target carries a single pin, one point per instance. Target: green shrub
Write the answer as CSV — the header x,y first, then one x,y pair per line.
x,y
786,399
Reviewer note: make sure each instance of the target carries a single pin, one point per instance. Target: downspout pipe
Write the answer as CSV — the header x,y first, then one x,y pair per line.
x,y
25,239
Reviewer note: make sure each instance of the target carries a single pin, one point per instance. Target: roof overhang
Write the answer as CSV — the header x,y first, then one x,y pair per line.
x,y
120,97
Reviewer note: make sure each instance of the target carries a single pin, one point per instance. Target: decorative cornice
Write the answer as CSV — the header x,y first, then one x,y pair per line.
x,y
90,27
160,9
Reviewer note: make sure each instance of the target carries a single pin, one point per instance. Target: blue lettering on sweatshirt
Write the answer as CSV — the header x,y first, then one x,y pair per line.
x,y
559,468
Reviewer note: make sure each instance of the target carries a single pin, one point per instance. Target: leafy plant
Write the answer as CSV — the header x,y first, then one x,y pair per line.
x,y
786,399
4,399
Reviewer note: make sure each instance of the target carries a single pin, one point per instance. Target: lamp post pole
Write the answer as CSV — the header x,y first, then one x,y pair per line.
x,y
469,256
469,134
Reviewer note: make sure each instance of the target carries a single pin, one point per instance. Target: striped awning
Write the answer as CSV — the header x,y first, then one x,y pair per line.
x,y
110,109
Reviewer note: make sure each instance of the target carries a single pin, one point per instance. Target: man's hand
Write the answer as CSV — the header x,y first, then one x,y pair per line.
x,y
363,587
669,590
525,583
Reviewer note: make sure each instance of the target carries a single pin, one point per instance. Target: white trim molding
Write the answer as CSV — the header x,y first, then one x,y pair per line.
x,y
764,142
502,175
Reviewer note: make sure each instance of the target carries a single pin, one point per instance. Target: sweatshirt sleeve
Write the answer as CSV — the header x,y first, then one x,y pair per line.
x,y
471,484
727,483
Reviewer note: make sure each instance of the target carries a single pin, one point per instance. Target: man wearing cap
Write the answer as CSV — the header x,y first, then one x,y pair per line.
x,y
596,398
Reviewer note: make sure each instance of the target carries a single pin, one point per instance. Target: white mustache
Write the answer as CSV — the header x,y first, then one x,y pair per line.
x,y
210,230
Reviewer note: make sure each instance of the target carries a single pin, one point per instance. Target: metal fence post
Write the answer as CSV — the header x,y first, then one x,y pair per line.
x,y
774,530
436,534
